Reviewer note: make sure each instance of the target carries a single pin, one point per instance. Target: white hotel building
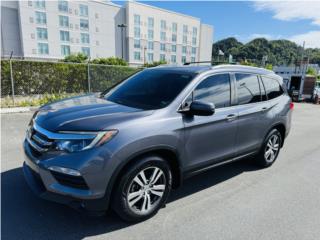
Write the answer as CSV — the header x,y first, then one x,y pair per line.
x,y
53,29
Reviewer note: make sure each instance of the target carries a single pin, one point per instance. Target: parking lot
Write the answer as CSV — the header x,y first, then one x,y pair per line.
x,y
235,201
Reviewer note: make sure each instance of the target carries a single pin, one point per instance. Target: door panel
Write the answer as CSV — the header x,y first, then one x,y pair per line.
x,y
210,139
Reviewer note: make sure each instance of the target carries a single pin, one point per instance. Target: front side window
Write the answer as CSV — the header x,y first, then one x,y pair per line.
x,y
63,6
272,87
42,34
85,38
43,48
214,89
248,88
64,21
83,10
41,18
145,90
84,24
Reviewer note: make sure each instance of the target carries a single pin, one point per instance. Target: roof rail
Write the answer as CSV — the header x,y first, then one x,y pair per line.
x,y
188,63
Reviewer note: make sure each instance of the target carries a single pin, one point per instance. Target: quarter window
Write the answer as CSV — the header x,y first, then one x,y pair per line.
x,y
248,88
215,89
273,88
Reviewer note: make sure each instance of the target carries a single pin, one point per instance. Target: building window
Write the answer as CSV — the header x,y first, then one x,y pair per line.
x,y
136,43
63,6
174,37
43,48
194,40
150,34
163,36
41,18
193,59
137,56
40,4
162,57
150,57
65,50
174,48
162,47
85,38
173,58
64,21
150,22
137,19
137,32
184,39
174,27
183,59
150,45
185,29
83,10
65,36
184,49
84,24
42,34
86,51
194,31
193,50
163,24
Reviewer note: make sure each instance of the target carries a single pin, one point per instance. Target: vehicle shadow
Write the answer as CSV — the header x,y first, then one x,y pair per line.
x,y
25,216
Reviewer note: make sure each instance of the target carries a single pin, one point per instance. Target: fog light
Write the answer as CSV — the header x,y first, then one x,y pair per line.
x,y
63,170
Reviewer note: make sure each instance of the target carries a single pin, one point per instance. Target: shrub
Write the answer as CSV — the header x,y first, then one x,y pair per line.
x,y
154,64
110,61
76,58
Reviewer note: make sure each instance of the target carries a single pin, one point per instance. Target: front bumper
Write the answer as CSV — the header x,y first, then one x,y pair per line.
x,y
46,185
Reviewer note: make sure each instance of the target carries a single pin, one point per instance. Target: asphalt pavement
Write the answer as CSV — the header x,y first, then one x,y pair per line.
x,y
235,201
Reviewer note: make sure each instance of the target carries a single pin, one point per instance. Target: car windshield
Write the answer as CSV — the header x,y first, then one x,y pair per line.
x,y
150,89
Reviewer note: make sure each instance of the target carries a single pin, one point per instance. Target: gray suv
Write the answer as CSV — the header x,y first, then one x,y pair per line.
x,y
128,147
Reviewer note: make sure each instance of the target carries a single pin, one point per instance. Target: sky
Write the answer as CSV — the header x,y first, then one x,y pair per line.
x,y
298,21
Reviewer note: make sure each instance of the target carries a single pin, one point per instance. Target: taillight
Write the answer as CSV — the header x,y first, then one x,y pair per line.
x,y
291,106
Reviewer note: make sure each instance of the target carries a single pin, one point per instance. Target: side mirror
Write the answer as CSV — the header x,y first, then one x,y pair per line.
x,y
201,109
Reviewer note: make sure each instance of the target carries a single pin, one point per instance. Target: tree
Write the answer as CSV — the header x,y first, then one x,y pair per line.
x,y
311,71
76,58
154,64
110,61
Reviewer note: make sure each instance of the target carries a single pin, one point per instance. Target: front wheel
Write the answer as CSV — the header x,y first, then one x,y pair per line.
x,y
143,189
270,149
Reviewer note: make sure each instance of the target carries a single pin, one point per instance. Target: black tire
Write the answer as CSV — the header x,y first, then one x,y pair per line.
x,y
262,160
120,198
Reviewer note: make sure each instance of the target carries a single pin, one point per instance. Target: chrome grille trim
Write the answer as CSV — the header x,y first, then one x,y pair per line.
x,y
41,141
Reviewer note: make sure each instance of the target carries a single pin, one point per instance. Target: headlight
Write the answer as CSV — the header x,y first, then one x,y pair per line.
x,y
83,141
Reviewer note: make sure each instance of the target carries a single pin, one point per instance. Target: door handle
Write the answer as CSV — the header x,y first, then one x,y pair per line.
x,y
264,109
231,117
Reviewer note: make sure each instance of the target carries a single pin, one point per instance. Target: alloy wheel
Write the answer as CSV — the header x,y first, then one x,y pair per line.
x,y
272,148
146,190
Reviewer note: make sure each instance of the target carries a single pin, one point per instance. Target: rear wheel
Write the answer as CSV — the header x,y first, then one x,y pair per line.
x,y
143,189
270,149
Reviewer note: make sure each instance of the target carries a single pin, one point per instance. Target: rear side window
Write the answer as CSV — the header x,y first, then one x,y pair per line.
x,y
248,88
272,86
214,89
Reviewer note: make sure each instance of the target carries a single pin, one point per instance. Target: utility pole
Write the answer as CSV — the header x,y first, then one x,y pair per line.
x,y
11,77
88,71
144,55
122,27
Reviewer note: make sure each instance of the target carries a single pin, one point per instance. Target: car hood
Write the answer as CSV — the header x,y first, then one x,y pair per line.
x,y
85,113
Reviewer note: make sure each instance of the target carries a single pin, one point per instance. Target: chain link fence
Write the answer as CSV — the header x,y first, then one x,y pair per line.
x,y
23,80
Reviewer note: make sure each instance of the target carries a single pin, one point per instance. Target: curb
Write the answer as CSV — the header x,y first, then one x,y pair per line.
x,y
18,110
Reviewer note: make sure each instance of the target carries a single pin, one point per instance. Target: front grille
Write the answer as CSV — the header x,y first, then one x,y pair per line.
x,y
38,141
70,181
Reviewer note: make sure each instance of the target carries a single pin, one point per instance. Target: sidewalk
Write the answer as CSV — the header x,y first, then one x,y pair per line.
x,y
18,109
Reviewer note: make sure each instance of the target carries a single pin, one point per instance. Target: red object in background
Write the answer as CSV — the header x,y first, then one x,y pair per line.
x,y
291,106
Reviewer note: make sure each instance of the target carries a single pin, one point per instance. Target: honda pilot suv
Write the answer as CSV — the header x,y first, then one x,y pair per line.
x,y
128,147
